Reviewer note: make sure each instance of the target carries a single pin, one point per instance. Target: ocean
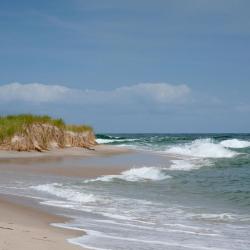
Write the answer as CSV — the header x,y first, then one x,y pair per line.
x,y
180,192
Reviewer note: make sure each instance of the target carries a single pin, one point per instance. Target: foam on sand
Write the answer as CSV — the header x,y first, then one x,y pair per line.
x,y
136,174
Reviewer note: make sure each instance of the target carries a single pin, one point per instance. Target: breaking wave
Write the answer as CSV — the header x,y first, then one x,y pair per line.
x,y
136,174
107,141
187,165
235,143
202,148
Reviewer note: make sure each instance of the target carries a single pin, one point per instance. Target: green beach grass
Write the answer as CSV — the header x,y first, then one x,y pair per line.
x,y
14,124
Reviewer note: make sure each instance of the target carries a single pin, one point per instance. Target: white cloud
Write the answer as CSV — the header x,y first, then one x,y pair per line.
x,y
33,92
157,92
154,93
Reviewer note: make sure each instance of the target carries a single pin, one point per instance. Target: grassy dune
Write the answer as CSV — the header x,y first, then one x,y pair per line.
x,y
15,124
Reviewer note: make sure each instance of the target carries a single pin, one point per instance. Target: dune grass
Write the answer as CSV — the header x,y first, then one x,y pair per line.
x,y
78,128
14,124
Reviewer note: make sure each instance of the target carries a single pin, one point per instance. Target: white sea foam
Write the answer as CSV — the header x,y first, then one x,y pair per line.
x,y
202,148
136,174
118,216
105,141
235,143
96,234
222,217
67,193
187,165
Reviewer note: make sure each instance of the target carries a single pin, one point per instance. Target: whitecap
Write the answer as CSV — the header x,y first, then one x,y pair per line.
x,y
235,143
188,165
106,141
202,148
136,174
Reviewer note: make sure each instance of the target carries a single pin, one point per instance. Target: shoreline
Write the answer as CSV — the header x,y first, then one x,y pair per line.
x,y
157,204
29,227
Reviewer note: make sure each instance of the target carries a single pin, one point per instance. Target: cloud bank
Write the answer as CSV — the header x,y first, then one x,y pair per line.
x,y
152,93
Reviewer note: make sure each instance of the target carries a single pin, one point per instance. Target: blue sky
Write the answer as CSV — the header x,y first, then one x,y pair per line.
x,y
129,66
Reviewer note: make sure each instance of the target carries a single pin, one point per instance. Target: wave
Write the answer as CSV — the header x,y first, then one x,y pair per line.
x,y
106,141
202,148
136,174
62,192
235,143
187,165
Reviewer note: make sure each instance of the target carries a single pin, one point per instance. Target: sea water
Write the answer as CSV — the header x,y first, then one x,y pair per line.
x,y
184,191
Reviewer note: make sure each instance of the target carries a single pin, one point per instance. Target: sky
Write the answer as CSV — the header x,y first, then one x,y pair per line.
x,y
166,66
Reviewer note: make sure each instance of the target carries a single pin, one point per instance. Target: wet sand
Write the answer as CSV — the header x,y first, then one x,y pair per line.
x,y
62,162
25,227
64,152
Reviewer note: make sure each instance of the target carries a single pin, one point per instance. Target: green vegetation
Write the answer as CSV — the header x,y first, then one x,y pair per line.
x,y
14,124
78,128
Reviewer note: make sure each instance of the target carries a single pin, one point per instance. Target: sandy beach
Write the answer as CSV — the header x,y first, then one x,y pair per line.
x,y
26,227
51,162
63,152
23,227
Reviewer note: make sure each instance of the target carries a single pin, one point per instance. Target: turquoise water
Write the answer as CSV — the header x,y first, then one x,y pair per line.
x,y
184,191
